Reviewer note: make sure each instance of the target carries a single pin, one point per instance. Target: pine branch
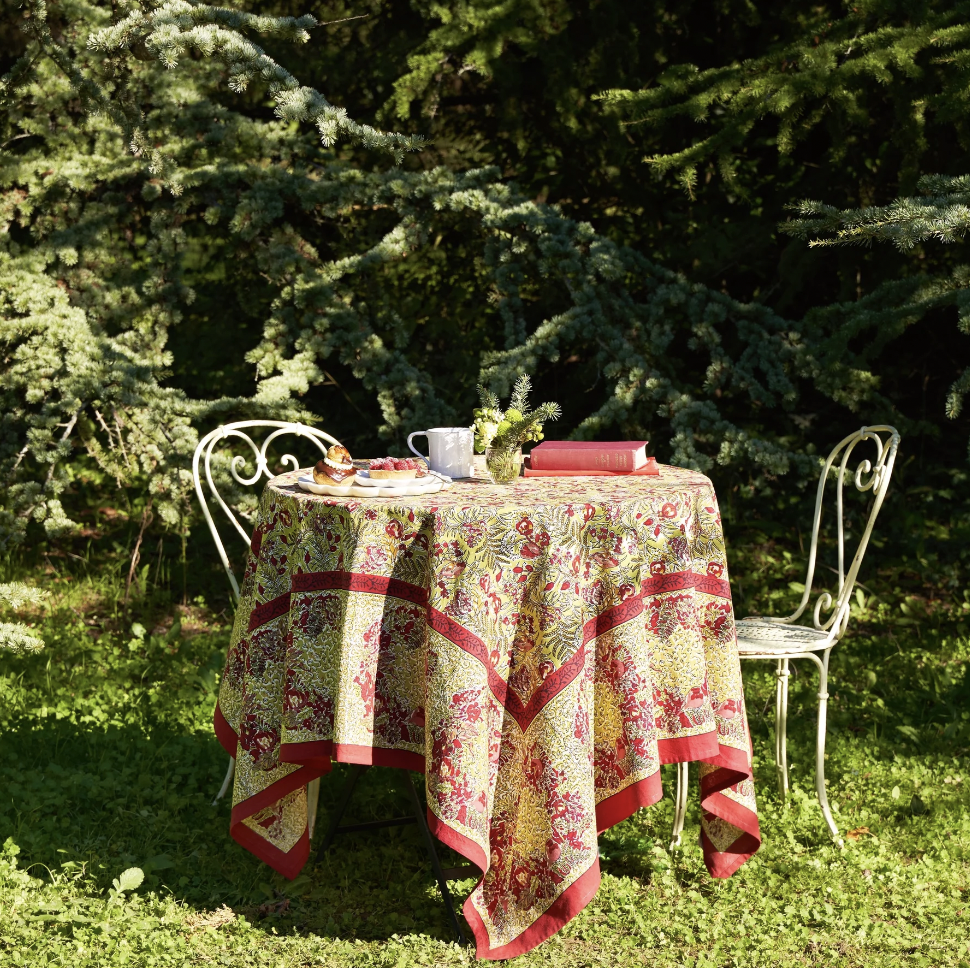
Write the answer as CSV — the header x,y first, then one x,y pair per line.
x,y
15,636
174,27
520,429
943,216
520,394
489,400
826,73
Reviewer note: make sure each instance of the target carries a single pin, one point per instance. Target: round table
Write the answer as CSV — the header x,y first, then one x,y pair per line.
x,y
537,650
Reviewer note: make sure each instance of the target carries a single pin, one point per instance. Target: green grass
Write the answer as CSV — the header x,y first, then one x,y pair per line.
x,y
108,762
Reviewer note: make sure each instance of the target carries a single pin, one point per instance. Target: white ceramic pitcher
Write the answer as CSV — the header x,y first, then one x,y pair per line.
x,y
452,450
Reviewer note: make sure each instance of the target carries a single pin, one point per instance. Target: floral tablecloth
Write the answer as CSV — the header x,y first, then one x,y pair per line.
x,y
536,650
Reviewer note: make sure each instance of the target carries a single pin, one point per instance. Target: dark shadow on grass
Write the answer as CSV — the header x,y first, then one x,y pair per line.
x,y
118,799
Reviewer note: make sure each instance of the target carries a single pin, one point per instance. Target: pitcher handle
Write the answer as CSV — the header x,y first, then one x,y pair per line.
x,y
414,450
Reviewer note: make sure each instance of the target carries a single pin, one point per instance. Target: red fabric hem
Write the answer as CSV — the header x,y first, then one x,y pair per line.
x,y
733,812
617,808
318,752
276,791
465,846
288,864
733,766
314,759
728,758
563,910
725,863
225,733
687,749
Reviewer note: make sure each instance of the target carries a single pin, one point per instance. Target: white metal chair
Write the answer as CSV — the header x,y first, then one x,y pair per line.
x,y
781,639
225,436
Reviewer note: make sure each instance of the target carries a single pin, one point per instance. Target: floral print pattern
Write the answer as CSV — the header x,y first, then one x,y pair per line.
x,y
537,649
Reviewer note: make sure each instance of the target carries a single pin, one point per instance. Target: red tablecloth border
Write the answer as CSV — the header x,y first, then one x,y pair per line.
x,y
316,758
311,757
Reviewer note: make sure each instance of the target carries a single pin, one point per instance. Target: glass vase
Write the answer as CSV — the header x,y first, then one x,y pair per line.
x,y
503,464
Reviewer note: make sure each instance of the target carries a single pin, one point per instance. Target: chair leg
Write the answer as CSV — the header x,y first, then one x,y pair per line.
x,y
439,874
230,773
823,697
312,800
781,727
680,805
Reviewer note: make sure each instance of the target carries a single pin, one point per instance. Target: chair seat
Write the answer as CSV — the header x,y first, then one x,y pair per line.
x,y
759,635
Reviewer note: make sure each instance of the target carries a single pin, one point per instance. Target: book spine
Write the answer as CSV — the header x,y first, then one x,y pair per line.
x,y
650,469
585,459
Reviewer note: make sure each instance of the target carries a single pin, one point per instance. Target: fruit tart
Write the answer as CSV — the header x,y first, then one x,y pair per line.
x,y
395,468
335,468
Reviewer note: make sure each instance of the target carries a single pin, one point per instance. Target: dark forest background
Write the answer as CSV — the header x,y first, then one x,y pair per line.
x,y
590,107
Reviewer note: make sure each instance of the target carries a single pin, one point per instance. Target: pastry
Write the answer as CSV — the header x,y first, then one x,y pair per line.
x,y
335,468
390,468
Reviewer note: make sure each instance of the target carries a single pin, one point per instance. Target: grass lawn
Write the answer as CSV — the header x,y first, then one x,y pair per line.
x,y
109,762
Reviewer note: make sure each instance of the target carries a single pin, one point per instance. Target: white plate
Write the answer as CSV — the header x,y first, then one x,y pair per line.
x,y
365,480
427,485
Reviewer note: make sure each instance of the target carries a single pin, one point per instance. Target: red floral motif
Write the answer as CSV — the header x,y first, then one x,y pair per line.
x,y
364,680
728,709
668,613
594,594
523,679
473,533
461,604
262,744
602,560
696,698
375,560
535,545
318,614
675,711
307,709
679,548
718,620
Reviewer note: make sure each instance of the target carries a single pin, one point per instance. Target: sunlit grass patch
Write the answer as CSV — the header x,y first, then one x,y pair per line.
x,y
109,763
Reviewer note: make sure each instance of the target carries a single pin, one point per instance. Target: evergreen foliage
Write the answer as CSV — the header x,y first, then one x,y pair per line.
x,y
828,77
941,214
15,636
917,52
183,214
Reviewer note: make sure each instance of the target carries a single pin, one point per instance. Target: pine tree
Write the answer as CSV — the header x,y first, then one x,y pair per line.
x,y
939,214
838,78
165,181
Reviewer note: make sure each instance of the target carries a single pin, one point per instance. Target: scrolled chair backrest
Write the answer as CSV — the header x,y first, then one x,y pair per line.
x,y
234,436
869,475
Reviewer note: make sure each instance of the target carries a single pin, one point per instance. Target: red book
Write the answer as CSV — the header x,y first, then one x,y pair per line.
x,y
650,469
589,455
